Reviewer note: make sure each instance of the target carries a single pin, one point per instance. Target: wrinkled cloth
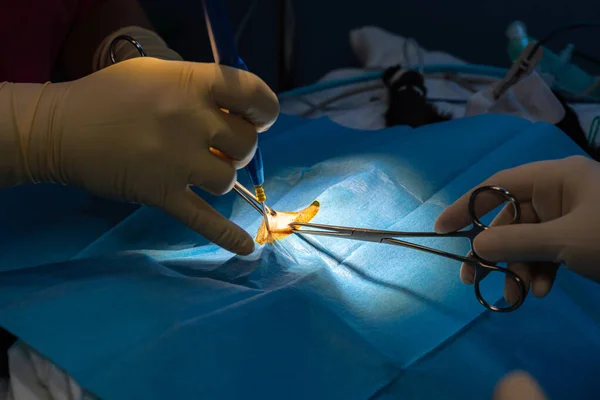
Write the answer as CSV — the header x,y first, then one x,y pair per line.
x,y
151,310
377,48
530,98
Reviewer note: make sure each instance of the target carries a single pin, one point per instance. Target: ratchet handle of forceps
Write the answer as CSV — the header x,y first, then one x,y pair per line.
x,y
125,38
481,267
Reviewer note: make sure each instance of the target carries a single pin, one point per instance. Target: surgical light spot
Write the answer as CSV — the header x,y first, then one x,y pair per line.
x,y
280,223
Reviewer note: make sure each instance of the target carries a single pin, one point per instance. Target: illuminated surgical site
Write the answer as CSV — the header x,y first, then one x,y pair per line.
x,y
295,200
280,223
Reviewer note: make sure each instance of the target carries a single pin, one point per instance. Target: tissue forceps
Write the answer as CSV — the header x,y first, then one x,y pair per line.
x,y
481,267
251,199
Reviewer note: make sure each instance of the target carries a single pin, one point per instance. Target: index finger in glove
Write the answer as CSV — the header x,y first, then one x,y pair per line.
x,y
519,181
202,218
244,93
504,217
234,137
518,385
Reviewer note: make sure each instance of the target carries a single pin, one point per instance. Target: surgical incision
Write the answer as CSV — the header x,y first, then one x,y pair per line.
x,y
280,223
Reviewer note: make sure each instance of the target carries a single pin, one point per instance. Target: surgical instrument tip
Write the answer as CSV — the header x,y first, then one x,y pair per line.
x,y
251,199
266,216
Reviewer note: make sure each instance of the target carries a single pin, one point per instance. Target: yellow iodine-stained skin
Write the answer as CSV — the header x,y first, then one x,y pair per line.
x,y
280,223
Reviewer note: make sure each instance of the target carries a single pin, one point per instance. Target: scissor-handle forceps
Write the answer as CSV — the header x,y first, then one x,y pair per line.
x,y
481,267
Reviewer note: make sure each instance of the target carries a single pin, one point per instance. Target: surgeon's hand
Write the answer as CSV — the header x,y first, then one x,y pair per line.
x,y
560,223
142,131
518,385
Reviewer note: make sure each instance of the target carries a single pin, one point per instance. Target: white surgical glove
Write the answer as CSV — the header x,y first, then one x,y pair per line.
x,y
141,131
560,222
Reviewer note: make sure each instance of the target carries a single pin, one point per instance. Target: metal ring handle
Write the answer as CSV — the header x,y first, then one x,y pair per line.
x,y
111,48
483,268
513,276
496,189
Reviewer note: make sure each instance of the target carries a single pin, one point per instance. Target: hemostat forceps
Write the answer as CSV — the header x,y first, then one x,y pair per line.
x,y
481,267
251,199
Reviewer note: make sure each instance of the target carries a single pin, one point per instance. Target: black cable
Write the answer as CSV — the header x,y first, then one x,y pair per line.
x,y
448,100
576,100
586,57
570,100
559,31
322,106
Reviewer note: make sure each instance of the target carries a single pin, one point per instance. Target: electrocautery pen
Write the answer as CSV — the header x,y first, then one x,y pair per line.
x,y
225,53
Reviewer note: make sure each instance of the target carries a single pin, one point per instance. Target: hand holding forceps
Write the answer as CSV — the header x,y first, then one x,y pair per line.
x,y
482,268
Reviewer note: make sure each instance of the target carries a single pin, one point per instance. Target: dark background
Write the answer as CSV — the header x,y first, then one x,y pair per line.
x,y
471,29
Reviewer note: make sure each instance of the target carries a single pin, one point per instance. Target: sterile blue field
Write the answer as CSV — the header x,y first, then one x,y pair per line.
x,y
146,308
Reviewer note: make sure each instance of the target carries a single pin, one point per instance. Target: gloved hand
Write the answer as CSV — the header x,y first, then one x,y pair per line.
x,y
141,131
518,386
560,222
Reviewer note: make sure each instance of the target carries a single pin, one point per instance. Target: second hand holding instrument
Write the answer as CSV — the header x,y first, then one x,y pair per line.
x,y
481,267
224,52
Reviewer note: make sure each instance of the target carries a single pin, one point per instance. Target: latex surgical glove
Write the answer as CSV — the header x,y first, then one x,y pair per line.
x,y
141,131
518,386
560,223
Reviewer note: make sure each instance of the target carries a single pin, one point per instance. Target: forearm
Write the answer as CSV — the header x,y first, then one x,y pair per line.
x,y
86,48
16,114
28,115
